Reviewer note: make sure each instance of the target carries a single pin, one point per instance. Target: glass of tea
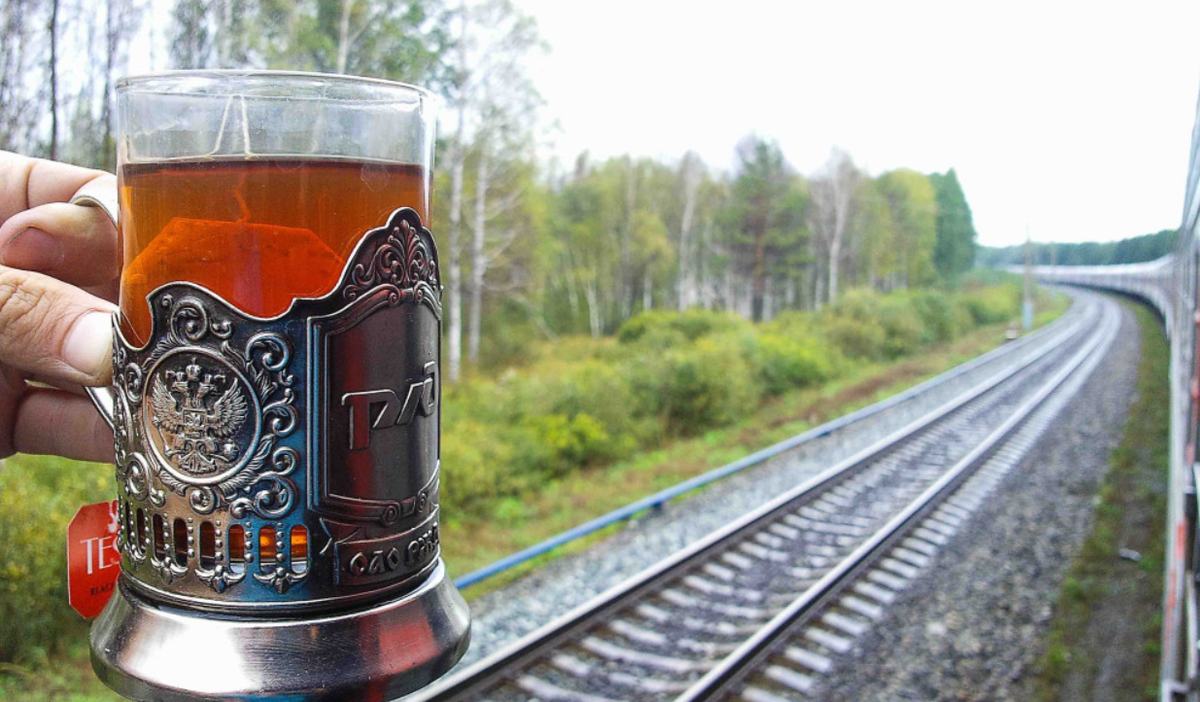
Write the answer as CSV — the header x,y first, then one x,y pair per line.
x,y
276,386
258,185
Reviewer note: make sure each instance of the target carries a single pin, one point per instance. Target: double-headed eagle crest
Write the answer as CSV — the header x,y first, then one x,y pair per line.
x,y
197,421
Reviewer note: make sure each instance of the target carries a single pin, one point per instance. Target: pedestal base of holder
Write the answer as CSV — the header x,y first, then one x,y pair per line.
x,y
155,653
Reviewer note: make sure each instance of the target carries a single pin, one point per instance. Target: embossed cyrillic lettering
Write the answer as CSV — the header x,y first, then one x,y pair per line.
x,y
421,397
423,546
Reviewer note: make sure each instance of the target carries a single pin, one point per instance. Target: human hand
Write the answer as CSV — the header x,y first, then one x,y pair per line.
x,y
59,273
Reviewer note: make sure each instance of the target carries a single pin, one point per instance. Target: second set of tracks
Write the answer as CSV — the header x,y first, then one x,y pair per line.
x,y
762,608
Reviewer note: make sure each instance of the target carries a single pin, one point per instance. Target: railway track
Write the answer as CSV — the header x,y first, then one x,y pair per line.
x,y
760,609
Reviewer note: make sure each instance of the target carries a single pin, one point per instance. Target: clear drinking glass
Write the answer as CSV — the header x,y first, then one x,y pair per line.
x,y
258,185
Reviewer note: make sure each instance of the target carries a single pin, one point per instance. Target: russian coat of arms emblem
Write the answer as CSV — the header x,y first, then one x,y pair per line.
x,y
198,414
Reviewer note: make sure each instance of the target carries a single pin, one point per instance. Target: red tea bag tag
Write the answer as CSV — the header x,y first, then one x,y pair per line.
x,y
93,562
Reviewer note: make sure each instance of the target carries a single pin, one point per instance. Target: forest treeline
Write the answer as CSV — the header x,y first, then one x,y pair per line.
x,y
1137,249
530,249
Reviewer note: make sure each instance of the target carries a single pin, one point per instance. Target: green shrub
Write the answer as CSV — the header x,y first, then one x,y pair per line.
x,y
859,304
38,497
691,324
856,339
983,277
865,324
566,443
786,362
993,305
902,326
511,511
655,337
941,318
509,333
793,323
706,385
475,466
637,326
697,322
604,392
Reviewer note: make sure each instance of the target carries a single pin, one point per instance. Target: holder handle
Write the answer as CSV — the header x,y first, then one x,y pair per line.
x,y
92,195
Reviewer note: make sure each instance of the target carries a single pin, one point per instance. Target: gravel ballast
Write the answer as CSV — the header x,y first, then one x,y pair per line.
x,y
974,626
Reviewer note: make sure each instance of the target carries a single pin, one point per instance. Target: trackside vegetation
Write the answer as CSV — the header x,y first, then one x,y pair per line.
x,y
665,375
1104,640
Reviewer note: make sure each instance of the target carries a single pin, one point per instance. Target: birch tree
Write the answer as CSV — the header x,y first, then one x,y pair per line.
x,y
690,172
52,71
459,92
121,19
398,39
494,104
83,145
832,197
874,239
190,42
18,102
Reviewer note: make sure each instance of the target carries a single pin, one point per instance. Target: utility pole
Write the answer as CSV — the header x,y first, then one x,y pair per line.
x,y
1027,307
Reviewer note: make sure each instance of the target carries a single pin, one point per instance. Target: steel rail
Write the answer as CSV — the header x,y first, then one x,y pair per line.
x,y
533,647
661,497
746,658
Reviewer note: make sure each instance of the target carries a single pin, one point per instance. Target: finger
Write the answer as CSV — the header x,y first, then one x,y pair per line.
x,y
53,329
70,242
108,291
29,182
73,388
59,423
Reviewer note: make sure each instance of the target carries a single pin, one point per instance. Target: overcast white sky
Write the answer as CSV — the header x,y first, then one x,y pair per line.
x,y
1073,119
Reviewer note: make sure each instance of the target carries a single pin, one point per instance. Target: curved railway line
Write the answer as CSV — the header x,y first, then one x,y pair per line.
x,y
762,608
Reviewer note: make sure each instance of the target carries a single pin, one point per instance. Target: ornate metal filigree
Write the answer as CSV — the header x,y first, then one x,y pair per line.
x,y
275,494
280,578
135,547
167,569
214,415
133,470
231,426
220,577
403,261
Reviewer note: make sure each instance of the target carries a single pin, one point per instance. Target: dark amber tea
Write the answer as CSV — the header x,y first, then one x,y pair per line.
x,y
259,232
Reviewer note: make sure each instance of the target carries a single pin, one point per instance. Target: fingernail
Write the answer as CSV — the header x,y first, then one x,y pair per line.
x,y
89,342
32,250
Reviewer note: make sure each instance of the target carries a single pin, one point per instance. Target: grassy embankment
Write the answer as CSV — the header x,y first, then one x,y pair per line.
x,y
1104,641
550,462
